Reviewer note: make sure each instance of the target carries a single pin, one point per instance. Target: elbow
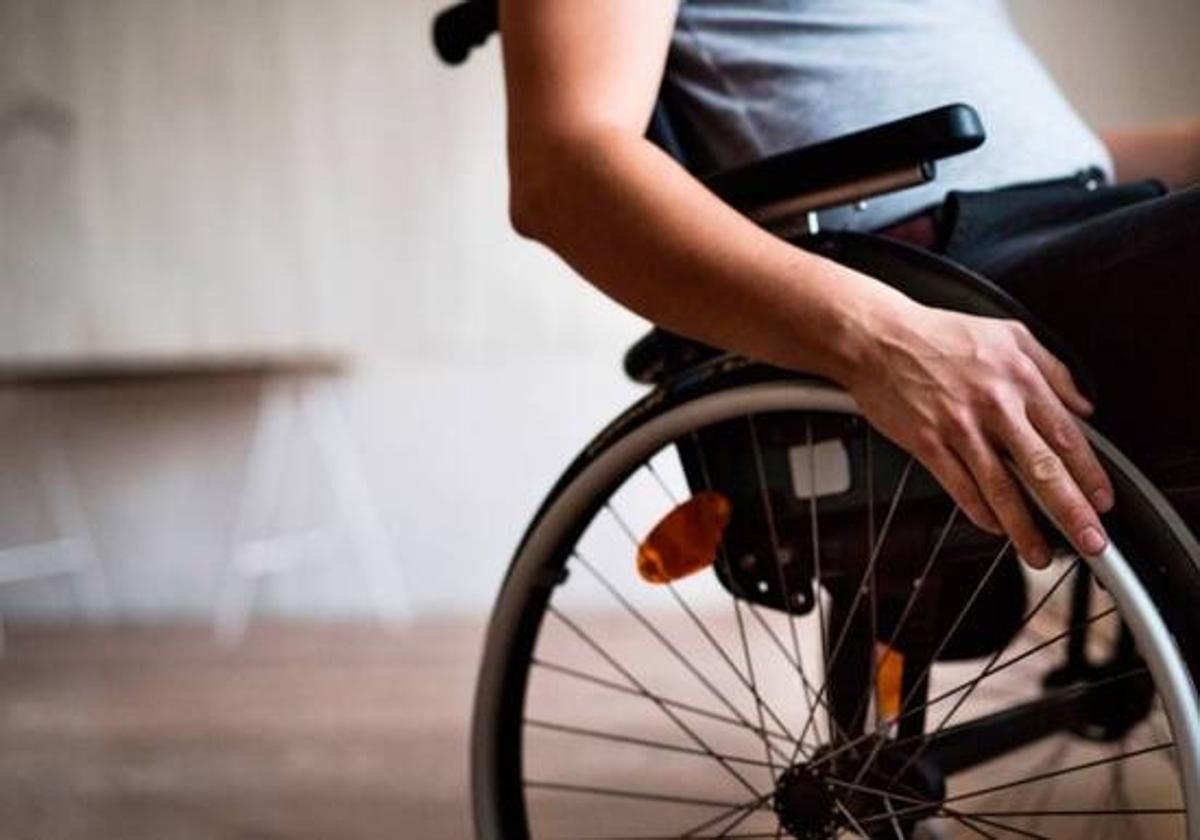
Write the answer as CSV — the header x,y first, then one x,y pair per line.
x,y
533,183
541,170
526,203
548,173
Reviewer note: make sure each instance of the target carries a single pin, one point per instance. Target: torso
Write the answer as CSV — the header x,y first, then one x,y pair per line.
x,y
754,78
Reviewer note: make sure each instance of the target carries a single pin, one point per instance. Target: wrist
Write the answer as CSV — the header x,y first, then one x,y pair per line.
x,y
865,321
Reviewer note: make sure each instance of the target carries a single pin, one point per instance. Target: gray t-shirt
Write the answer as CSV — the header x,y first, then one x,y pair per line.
x,y
754,77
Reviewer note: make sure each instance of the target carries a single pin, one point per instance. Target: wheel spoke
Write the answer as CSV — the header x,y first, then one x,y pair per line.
x,y
958,619
748,681
984,671
831,663
967,824
657,698
1082,812
814,528
590,790
760,835
911,600
758,704
661,483
1052,696
810,697
862,832
1062,771
873,572
723,558
973,821
1037,796
671,648
741,811
963,686
583,732
777,559
687,730
887,802
1087,765
741,818
920,804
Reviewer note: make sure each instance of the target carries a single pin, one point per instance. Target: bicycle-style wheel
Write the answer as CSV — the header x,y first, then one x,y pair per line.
x,y
742,613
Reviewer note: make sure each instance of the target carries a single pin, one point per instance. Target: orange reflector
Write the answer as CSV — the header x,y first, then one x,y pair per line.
x,y
685,540
888,683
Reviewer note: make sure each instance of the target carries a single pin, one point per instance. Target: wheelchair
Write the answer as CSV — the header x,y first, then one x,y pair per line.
x,y
741,612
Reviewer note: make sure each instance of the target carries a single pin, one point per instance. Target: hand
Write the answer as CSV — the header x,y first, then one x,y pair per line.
x,y
967,395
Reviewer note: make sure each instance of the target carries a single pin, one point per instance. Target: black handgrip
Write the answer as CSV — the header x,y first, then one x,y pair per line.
x,y
461,28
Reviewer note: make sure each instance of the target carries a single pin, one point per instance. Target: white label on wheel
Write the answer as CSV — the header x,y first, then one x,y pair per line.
x,y
822,469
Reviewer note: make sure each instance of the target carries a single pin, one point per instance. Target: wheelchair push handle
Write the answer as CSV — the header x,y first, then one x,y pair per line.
x,y
463,27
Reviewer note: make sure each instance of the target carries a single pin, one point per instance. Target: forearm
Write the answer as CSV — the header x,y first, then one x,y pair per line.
x,y
644,231
1170,152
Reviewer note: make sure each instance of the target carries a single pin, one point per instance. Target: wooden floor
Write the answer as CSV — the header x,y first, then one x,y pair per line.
x,y
305,733
354,733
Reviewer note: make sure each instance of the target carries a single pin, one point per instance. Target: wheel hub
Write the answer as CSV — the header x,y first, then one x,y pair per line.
x,y
813,802
805,804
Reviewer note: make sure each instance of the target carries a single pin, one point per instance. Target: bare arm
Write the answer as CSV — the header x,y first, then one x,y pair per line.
x,y
961,393
581,85
1169,152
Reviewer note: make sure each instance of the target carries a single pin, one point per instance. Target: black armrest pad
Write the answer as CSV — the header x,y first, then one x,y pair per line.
x,y
907,143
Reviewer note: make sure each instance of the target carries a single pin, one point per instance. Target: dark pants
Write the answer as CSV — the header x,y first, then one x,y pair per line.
x,y
1116,272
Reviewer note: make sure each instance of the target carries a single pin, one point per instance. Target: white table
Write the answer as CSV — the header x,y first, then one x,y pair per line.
x,y
300,403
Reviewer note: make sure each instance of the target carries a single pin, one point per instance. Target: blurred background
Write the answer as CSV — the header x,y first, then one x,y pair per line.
x,y
280,390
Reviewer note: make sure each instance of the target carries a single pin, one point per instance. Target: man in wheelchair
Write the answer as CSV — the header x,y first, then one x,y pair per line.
x,y
1046,277
1108,266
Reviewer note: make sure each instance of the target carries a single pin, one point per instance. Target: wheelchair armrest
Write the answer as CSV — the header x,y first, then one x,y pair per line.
x,y
847,169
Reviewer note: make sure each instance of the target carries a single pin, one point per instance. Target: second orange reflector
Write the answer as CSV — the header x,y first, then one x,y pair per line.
x,y
685,540
889,681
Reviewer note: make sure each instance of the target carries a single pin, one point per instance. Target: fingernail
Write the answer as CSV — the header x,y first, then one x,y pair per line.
x,y
1091,540
1038,558
1102,499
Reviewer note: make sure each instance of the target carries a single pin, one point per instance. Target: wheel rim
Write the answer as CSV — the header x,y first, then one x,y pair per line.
x,y
755,712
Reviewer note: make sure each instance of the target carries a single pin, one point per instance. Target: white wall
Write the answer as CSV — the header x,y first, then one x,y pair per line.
x,y
260,176
1120,61
277,174
249,177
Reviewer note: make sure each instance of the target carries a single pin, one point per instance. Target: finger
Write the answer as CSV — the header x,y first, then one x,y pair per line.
x,y
1056,373
1047,477
956,480
1003,494
1061,431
